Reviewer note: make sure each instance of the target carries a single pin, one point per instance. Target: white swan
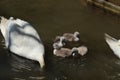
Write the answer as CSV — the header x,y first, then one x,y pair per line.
x,y
22,39
114,44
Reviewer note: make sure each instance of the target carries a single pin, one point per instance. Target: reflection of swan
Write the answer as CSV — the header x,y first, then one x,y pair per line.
x,y
114,44
22,39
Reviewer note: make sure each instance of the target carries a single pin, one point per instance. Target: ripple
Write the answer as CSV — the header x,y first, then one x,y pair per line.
x,y
37,78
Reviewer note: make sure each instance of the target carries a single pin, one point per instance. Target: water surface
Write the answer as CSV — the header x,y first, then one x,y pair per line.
x,y
55,17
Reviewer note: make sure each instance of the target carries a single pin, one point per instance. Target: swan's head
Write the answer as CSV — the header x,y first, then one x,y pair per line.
x,y
74,51
59,42
60,39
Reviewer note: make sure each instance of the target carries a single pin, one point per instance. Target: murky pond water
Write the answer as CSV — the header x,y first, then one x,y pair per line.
x,y
55,17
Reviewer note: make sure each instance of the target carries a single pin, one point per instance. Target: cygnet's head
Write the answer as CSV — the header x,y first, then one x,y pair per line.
x,y
74,51
59,42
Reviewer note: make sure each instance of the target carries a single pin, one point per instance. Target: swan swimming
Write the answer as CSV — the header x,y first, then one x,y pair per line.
x,y
62,52
72,37
114,44
22,39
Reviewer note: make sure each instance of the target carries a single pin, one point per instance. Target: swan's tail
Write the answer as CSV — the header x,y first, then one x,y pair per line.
x,y
3,21
108,38
114,44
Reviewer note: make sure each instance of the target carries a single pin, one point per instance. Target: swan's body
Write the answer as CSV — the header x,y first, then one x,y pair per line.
x,y
114,44
61,41
82,50
22,39
71,37
62,52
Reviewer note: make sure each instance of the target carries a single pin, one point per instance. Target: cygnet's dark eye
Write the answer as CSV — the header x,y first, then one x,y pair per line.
x,y
75,53
64,41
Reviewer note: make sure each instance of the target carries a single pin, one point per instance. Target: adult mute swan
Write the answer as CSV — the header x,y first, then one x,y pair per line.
x,y
114,44
22,39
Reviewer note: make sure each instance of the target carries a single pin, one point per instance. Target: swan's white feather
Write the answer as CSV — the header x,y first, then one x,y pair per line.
x,y
22,39
114,44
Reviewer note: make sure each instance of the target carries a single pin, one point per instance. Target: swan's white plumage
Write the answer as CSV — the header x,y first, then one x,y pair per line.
x,y
22,39
114,44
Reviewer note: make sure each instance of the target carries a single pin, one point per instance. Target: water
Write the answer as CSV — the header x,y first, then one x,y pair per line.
x,y
55,17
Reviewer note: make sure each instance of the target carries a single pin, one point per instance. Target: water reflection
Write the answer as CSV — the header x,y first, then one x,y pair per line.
x,y
56,17
22,68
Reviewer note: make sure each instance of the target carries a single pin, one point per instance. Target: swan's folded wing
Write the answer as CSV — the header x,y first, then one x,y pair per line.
x,y
27,28
20,42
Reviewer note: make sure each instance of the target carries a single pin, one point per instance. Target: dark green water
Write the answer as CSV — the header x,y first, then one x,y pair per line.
x,y
55,17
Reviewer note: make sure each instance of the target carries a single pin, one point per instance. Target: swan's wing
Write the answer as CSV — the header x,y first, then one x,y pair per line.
x,y
114,44
26,27
22,43
7,26
20,22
